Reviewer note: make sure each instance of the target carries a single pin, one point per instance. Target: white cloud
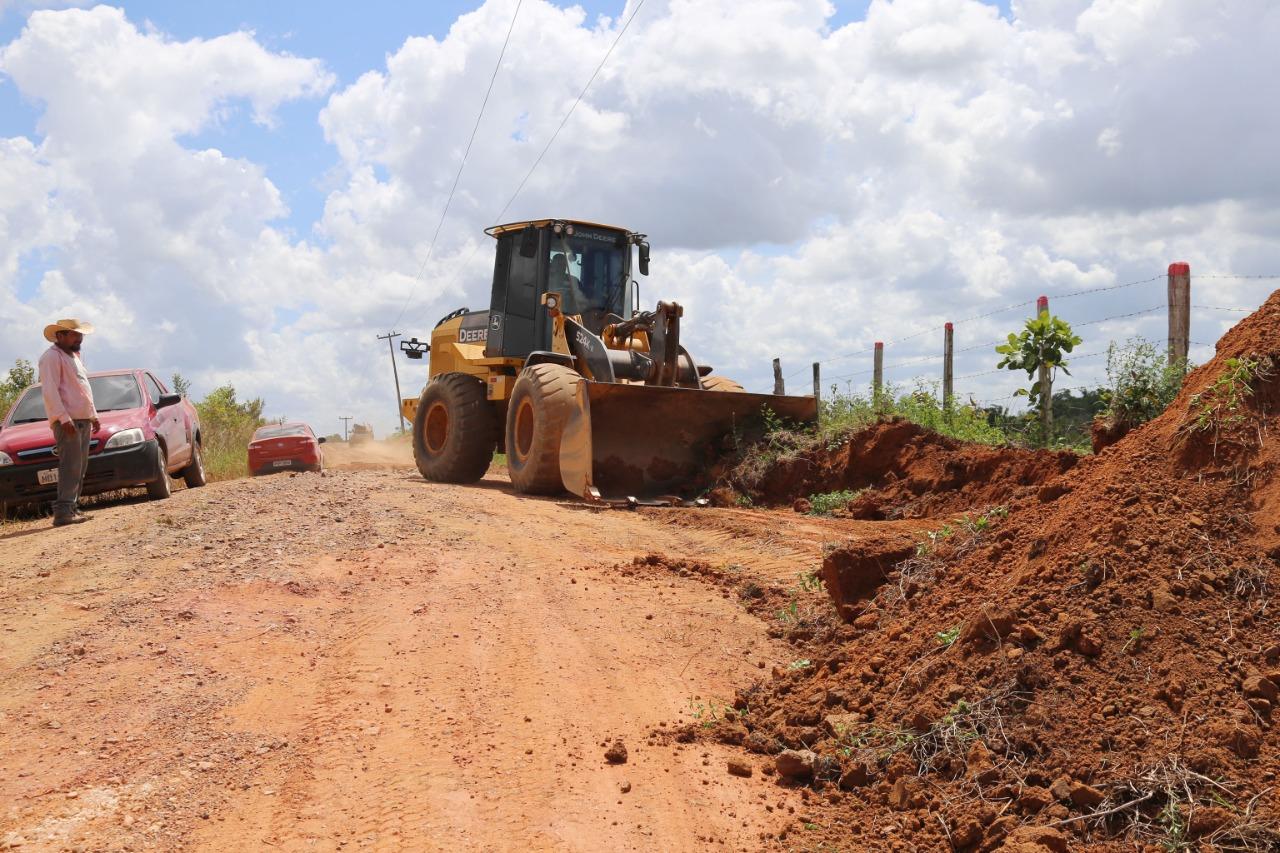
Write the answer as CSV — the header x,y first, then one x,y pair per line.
x,y
808,189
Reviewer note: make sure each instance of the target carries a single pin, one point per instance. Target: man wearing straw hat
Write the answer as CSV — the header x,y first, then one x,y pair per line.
x,y
68,403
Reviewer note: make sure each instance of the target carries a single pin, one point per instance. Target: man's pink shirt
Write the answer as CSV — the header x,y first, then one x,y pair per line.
x,y
64,384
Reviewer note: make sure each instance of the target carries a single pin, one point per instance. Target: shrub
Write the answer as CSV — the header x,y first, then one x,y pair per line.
x,y
825,503
1141,383
226,426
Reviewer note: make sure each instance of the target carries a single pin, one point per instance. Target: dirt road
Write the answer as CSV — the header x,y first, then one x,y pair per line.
x,y
363,660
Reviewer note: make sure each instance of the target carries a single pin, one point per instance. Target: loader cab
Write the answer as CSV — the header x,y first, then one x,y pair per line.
x,y
588,265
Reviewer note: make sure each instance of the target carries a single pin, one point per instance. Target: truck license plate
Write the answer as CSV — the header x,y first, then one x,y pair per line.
x,y
282,463
47,477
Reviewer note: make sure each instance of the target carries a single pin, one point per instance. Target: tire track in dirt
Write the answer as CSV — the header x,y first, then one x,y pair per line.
x,y
369,661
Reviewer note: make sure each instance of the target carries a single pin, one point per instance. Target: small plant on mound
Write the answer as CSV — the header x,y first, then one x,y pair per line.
x,y
1221,406
1141,383
948,637
825,503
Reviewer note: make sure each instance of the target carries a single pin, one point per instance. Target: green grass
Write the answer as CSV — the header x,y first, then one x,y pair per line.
x,y
846,412
825,503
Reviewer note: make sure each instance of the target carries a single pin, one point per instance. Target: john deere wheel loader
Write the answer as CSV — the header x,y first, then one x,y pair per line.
x,y
578,387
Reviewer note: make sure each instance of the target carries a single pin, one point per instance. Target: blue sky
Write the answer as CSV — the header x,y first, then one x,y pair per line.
x,y
938,162
350,38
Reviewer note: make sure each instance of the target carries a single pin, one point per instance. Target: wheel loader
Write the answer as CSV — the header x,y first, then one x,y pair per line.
x,y
566,375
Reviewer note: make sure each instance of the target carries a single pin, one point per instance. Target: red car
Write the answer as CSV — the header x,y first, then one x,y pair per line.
x,y
147,436
283,447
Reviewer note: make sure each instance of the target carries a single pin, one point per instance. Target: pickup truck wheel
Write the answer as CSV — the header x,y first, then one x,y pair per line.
x,y
193,475
160,488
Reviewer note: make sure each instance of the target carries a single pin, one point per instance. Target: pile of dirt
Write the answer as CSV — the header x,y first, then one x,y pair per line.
x,y
908,471
1096,668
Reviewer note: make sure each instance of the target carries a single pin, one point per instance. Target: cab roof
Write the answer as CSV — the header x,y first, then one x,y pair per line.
x,y
496,231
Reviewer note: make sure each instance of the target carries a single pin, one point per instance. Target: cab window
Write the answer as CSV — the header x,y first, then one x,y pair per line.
x,y
153,389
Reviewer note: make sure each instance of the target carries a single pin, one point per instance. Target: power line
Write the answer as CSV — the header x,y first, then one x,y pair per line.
x,y
1236,276
567,115
461,165
498,219
1121,316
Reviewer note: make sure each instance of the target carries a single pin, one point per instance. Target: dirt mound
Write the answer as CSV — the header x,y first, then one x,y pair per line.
x,y
908,471
1096,669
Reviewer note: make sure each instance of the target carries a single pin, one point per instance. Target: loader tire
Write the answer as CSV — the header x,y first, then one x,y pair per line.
x,y
721,383
541,402
454,430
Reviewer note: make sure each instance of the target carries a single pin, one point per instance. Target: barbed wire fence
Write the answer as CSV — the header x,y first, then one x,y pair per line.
x,y
1177,304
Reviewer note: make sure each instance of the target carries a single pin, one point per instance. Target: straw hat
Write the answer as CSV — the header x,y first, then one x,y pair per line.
x,y
67,326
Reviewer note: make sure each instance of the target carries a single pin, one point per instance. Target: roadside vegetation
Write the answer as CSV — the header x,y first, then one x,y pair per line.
x,y
1140,385
226,426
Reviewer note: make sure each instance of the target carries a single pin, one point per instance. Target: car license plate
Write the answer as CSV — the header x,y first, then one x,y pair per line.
x,y
47,477
282,463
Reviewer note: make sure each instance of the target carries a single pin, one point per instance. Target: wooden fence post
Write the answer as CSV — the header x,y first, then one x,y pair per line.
x,y
948,350
1179,312
877,373
1046,385
779,387
817,384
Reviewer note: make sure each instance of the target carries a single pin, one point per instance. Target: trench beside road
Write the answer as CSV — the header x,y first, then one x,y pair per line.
x,y
364,660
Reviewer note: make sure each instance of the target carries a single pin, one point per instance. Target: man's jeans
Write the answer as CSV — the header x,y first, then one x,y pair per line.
x,y
73,461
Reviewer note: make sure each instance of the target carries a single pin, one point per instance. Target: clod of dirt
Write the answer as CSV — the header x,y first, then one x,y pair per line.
x,y
616,753
737,767
795,764
624,787
1035,839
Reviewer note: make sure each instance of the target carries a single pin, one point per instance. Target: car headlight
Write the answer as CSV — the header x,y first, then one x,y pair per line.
x,y
5,458
124,438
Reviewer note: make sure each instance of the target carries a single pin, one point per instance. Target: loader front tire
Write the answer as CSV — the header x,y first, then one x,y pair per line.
x,y
541,402
721,383
454,430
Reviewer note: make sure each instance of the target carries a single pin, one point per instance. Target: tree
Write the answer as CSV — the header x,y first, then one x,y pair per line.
x,y
1040,350
221,407
181,385
21,376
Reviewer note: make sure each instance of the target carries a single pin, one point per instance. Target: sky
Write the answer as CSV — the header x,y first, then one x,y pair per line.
x,y
246,193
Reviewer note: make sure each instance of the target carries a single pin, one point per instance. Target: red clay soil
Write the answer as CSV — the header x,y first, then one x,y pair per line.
x,y
911,472
1097,670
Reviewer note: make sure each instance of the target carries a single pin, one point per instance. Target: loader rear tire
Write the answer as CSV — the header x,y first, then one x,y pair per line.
x,y
541,402
454,430
721,383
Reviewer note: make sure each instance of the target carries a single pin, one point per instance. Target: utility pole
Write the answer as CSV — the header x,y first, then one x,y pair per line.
x,y
395,371
345,420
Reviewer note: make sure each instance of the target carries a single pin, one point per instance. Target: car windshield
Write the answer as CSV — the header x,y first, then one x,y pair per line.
x,y
110,394
279,431
589,270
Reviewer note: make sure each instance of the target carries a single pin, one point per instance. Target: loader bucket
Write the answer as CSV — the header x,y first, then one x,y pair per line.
x,y
643,442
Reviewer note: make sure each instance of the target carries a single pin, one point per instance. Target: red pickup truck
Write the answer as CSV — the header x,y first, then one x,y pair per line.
x,y
148,435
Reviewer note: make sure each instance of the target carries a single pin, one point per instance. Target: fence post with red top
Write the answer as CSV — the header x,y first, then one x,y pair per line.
x,y
1179,312
948,332
877,373
1046,384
